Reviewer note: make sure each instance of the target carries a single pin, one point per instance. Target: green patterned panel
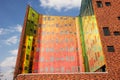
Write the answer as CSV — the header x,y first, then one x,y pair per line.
x,y
33,16
86,64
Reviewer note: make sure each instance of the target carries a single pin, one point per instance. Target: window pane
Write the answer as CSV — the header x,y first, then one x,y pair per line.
x,y
116,33
110,48
99,4
107,3
106,31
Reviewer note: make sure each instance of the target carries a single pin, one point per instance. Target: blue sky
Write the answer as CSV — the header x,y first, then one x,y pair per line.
x,y
12,14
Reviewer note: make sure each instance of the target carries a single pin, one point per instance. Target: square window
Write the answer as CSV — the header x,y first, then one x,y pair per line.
x,y
116,33
44,18
20,68
40,25
35,71
33,14
65,24
65,18
26,68
32,48
57,25
48,18
36,25
28,47
107,3
99,4
27,57
24,46
34,31
32,22
106,31
31,30
37,49
73,18
110,49
61,17
119,18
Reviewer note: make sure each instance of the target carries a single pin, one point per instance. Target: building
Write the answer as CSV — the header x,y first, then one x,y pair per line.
x,y
64,45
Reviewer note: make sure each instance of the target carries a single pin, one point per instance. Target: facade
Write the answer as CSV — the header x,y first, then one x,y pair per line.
x,y
55,47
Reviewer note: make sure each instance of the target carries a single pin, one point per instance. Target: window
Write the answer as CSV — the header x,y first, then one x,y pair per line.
x,y
104,68
106,31
73,18
70,32
27,57
52,59
32,48
57,25
34,31
79,68
36,25
28,47
65,24
65,18
33,14
69,24
31,30
24,46
29,38
35,71
61,17
25,68
48,18
75,33
99,4
32,22
52,69
44,18
20,68
37,49
119,18
116,33
52,18
107,3
110,49
42,59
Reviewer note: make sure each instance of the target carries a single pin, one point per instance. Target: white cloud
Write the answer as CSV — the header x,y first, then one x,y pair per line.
x,y
7,75
18,28
7,67
4,31
11,40
9,62
14,52
1,31
10,29
60,4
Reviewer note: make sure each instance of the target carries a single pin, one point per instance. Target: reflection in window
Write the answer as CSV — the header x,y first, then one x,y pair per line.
x,y
106,31
107,3
116,33
99,4
110,48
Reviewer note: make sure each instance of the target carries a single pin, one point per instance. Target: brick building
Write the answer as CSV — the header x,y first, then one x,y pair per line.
x,y
63,47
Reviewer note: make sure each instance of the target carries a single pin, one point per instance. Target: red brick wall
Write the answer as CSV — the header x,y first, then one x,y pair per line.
x,y
107,17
